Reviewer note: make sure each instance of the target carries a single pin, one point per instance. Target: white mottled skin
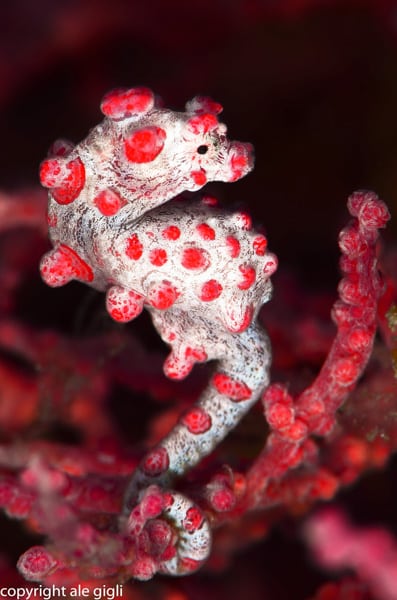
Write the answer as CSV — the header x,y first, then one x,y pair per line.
x,y
218,327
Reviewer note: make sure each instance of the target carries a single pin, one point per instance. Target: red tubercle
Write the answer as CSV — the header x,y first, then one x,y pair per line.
x,y
63,264
109,202
162,295
237,321
64,179
197,420
260,244
155,462
203,104
233,246
134,247
205,231
193,520
243,221
210,290
52,219
144,145
172,232
235,390
123,305
202,124
248,276
199,177
158,257
124,103
195,258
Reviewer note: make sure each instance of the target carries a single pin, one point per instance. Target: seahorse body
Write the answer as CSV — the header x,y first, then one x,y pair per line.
x,y
202,273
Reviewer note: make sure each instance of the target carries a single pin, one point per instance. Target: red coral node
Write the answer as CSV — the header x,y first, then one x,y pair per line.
x,y
210,290
144,145
279,415
197,420
235,390
36,563
222,499
109,202
156,462
345,371
373,214
124,103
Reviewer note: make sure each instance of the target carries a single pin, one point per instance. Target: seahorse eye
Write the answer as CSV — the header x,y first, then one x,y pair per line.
x,y
202,149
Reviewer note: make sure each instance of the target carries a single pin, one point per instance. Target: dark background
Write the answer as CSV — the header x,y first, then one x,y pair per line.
x,y
311,83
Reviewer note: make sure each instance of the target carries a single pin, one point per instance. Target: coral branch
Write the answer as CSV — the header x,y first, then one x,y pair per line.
x,y
355,313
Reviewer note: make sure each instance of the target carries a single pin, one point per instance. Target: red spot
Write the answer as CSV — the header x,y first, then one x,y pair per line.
x,y
188,565
205,231
156,462
108,202
203,104
52,220
63,264
123,103
60,148
158,257
248,277
209,200
144,145
162,295
270,264
171,233
196,353
199,177
193,520
236,390
222,499
123,305
260,245
195,258
238,321
345,371
197,420
64,179
36,563
243,220
134,247
210,290
279,415
202,124
233,246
